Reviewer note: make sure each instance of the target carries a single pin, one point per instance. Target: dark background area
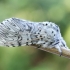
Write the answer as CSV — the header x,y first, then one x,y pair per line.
x,y
30,58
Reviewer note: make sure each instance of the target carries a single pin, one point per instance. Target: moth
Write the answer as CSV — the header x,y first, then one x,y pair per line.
x,y
15,32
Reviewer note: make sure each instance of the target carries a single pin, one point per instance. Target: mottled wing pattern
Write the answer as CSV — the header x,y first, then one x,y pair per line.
x,y
14,32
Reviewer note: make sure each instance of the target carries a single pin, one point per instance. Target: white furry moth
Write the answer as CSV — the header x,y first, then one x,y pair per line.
x,y
16,32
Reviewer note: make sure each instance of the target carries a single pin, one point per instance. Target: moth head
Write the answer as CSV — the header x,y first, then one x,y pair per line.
x,y
51,34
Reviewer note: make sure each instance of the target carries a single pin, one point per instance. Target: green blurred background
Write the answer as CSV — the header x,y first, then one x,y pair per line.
x,y
30,58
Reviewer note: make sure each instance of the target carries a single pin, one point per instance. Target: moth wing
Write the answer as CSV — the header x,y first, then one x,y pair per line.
x,y
13,32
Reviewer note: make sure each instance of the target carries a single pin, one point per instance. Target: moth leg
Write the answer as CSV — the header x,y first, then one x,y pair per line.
x,y
59,49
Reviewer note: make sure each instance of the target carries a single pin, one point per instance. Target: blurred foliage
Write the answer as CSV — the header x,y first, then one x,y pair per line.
x,y
29,58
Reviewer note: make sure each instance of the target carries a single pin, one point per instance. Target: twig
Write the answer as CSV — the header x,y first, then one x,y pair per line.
x,y
65,52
